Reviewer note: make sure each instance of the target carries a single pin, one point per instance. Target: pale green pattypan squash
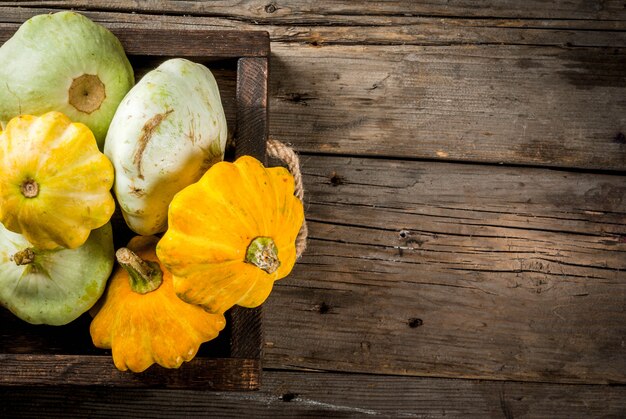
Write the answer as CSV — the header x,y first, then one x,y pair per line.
x,y
53,287
166,133
64,62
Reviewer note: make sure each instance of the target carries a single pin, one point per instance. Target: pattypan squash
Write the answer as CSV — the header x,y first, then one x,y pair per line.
x,y
169,129
64,62
232,234
140,318
55,183
53,287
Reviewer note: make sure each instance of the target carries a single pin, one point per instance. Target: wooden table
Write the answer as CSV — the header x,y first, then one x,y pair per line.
x,y
465,172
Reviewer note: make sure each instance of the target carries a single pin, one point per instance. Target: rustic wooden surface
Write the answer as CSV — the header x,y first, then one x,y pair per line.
x,y
317,395
465,172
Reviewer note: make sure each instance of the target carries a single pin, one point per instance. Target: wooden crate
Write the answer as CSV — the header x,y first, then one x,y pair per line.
x,y
64,355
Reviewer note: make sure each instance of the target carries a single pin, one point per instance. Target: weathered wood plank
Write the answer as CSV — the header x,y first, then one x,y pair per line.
x,y
375,30
456,270
225,374
188,43
293,394
540,106
193,43
305,10
252,112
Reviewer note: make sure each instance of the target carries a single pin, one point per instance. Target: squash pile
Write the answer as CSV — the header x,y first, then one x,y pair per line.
x,y
78,135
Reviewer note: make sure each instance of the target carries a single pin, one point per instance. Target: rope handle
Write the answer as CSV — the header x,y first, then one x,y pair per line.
x,y
288,156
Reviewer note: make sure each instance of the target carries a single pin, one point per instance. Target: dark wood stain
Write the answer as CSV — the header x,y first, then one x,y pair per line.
x,y
595,68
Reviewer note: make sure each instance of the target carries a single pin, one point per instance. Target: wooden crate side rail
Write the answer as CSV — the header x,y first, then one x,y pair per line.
x,y
181,42
251,138
223,374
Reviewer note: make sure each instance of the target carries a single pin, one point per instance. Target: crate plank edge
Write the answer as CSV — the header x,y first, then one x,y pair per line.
x,y
241,370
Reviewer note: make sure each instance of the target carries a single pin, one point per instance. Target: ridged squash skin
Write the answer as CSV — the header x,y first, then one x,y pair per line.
x,y
166,133
55,185
156,327
58,285
213,225
67,63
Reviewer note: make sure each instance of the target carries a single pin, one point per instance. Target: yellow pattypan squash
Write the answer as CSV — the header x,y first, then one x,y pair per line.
x,y
232,234
55,183
140,318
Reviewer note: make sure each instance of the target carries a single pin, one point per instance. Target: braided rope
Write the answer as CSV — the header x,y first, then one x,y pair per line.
x,y
286,154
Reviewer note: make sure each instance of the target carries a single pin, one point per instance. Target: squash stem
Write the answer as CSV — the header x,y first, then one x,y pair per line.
x,y
263,253
29,188
144,275
24,257
86,93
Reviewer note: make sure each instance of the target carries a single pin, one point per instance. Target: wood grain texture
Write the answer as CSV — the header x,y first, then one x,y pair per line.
x,y
252,107
188,43
456,270
91,370
361,29
306,10
295,394
246,337
512,104
193,43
